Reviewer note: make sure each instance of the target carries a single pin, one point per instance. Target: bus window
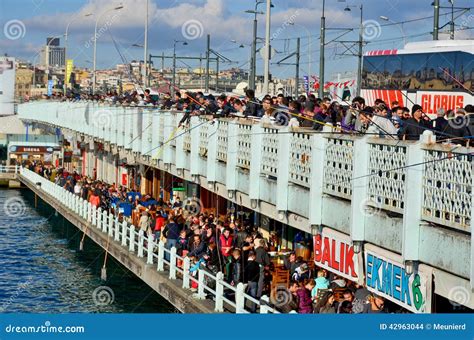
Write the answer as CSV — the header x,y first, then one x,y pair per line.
x,y
413,71
464,72
393,72
373,72
440,66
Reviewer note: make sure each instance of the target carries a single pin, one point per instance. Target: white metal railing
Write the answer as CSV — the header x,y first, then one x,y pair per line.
x,y
270,152
447,187
187,140
300,154
387,166
222,129
9,169
338,167
203,136
308,159
244,146
166,260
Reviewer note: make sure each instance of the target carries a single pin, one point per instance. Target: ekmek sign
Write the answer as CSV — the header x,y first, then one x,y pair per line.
x,y
386,276
334,251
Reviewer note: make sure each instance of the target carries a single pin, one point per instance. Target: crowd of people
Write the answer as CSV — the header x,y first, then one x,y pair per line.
x,y
387,120
234,247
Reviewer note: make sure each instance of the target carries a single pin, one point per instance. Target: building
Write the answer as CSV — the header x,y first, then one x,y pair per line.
x,y
53,54
23,83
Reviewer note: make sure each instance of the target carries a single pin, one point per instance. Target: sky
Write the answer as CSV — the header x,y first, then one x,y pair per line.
x,y
25,24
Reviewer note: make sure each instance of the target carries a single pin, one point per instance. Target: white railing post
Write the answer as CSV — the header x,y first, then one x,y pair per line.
x,y
240,298
283,171
105,221
219,293
89,212
95,211
111,225
412,212
140,243
131,246
173,264
84,209
360,187
161,257
77,205
186,266
100,218
124,233
149,258
117,229
319,143
201,294
264,309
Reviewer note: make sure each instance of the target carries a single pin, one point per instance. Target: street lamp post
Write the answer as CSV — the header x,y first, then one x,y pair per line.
x,y
361,45
253,57
95,45
399,25
145,70
174,63
309,45
451,33
322,43
66,35
266,74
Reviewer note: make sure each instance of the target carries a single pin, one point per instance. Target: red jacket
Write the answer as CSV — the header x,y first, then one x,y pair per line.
x,y
226,244
160,221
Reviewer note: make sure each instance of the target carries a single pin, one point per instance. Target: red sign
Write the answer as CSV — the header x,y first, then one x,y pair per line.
x,y
334,252
124,179
432,102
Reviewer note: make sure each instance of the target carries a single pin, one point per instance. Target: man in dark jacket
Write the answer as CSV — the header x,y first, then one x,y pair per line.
x,y
251,276
253,107
263,259
414,127
440,123
457,129
171,232
197,248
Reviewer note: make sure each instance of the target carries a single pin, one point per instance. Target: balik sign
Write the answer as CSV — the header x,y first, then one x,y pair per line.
x,y
387,277
334,252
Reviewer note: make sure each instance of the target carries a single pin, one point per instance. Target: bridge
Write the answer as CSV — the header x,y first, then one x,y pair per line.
x,y
9,175
404,203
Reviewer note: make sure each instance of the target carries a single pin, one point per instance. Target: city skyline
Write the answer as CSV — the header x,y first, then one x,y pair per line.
x,y
230,28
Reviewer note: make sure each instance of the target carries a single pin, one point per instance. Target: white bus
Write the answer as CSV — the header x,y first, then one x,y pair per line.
x,y
434,74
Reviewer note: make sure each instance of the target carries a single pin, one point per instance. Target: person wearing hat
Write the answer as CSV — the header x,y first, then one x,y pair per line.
x,y
414,127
